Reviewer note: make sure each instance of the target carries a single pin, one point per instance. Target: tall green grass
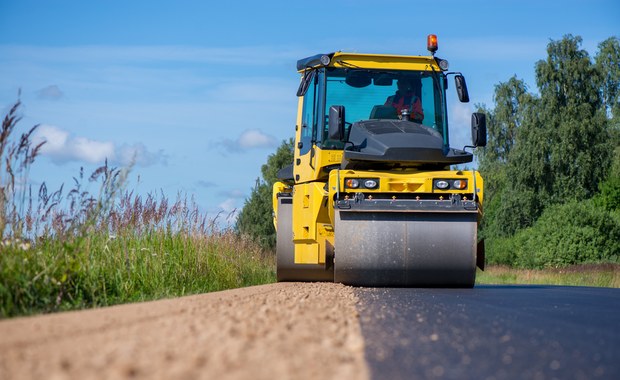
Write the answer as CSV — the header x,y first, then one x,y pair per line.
x,y
102,269
70,249
599,275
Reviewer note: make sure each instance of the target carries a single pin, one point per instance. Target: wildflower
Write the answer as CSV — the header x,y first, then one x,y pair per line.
x,y
17,243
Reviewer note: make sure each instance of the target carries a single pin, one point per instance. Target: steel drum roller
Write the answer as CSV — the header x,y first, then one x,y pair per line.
x,y
405,248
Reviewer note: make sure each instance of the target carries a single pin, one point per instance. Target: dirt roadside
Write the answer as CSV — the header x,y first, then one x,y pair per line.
x,y
279,331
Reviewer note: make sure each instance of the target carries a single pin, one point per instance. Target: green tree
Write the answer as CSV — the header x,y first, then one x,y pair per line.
x,y
608,66
256,216
554,148
510,98
573,114
514,106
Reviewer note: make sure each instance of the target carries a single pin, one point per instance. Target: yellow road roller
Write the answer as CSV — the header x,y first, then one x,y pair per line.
x,y
374,196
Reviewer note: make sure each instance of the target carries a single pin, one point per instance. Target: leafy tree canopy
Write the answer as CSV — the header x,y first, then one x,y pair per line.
x,y
553,147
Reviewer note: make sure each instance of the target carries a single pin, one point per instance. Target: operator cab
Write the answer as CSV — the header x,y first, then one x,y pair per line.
x,y
377,112
364,93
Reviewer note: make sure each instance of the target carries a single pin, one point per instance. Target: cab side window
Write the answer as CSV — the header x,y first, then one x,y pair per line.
x,y
307,118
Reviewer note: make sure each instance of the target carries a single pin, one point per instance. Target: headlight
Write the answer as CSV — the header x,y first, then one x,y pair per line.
x,y
442,184
361,183
446,184
460,184
443,64
352,183
370,184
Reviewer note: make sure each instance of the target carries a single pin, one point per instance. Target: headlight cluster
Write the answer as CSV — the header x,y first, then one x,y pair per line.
x,y
361,183
447,184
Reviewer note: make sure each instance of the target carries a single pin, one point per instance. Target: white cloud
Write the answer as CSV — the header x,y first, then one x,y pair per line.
x,y
55,138
229,211
137,154
253,138
92,151
51,92
61,147
250,139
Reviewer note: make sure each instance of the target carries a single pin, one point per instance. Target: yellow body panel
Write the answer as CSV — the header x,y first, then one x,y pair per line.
x,y
410,181
396,184
311,222
311,164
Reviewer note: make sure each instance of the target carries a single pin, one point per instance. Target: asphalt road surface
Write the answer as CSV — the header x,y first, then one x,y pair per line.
x,y
491,332
328,331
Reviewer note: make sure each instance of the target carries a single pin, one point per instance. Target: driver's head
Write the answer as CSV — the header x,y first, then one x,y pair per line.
x,y
404,85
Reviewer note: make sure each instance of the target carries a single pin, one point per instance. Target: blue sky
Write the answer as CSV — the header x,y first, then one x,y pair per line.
x,y
202,92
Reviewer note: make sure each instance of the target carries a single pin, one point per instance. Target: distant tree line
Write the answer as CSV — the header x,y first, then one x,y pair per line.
x,y
552,163
551,166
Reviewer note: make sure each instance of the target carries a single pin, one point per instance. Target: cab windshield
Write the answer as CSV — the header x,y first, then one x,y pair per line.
x,y
374,94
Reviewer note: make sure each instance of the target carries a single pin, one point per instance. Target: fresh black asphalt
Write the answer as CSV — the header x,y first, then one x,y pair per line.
x,y
492,332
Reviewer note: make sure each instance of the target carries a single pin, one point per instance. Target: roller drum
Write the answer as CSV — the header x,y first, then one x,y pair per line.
x,y
405,249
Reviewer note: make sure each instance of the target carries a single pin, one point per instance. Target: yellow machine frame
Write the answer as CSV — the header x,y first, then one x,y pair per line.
x,y
314,192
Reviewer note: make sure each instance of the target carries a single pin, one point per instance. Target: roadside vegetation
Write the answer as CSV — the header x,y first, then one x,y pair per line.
x,y
552,171
70,249
600,275
552,164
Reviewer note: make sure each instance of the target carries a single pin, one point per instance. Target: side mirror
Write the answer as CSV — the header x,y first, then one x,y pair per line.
x,y
335,129
461,88
305,82
478,129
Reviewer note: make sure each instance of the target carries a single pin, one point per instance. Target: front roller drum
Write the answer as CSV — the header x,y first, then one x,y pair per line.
x,y
405,249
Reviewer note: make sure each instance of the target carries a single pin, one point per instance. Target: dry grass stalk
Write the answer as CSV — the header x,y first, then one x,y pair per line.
x,y
15,161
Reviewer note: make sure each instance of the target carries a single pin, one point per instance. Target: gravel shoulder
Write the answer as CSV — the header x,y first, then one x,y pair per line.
x,y
284,330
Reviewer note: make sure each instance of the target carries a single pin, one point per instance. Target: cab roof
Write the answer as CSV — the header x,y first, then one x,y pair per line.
x,y
369,61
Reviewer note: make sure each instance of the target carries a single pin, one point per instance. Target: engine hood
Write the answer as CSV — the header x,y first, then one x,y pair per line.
x,y
398,143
